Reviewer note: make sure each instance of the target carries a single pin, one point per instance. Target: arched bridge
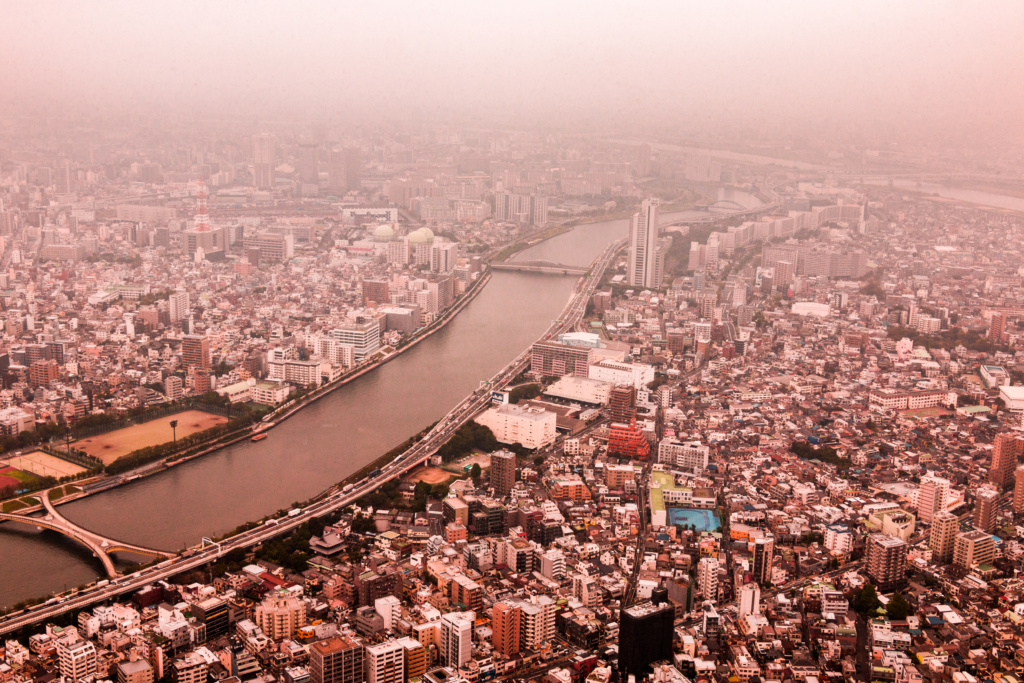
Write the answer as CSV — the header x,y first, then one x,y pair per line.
x,y
100,545
727,204
549,267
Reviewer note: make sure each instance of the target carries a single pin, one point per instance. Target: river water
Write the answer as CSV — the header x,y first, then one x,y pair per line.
x,y
324,442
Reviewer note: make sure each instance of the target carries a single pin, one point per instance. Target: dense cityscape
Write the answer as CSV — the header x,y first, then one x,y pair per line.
x,y
619,403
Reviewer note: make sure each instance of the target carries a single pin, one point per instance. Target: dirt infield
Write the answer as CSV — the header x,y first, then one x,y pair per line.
x,y
431,475
45,465
112,445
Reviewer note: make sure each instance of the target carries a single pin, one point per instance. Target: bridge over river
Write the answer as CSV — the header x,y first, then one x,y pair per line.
x,y
548,267
100,545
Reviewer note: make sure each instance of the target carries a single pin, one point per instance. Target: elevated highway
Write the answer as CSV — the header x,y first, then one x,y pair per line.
x,y
333,499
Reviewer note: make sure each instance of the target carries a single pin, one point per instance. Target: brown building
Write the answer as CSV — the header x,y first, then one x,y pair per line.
x,y
195,352
1006,451
997,328
886,561
1018,490
622,403
336,660
375,292
505,625
370,585
986,507
42,372
503,472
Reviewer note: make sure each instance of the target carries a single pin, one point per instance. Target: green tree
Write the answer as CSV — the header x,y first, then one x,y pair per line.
x,y
475,472
865,601
898,608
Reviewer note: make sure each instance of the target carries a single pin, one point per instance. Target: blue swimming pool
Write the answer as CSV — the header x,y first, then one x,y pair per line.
x,y
704,520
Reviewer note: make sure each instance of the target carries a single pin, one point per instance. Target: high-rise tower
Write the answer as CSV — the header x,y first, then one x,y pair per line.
x,y
643,245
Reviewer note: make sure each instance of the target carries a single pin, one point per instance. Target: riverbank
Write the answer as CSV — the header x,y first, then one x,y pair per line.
x,y
226,440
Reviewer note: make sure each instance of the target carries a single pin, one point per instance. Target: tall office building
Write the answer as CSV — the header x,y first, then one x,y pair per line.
x,y
986,506
931,497
622,403
416,658
195,352
973,547
456,638
997,328
505,625
344,173
177,306
645,634
307,162
643,245
1006,451
336,660
375,292
502,472
886,561
764,554
263,161
707,577
1018,490
750,600
385,662
942,538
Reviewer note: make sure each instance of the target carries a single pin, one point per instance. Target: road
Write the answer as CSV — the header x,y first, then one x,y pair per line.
x,y
331,500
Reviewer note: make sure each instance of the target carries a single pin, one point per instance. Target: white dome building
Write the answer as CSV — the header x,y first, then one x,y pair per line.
x,y
383,233
421,236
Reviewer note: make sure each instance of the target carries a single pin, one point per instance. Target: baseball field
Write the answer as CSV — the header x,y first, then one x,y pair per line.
x,y
45,465
112,445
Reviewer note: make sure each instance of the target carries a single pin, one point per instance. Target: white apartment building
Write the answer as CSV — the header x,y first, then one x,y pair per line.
x,y
385,662
76,660
531,427
456,646
691,456
617,372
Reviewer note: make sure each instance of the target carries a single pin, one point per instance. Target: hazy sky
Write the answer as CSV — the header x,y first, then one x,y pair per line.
x,y
948,65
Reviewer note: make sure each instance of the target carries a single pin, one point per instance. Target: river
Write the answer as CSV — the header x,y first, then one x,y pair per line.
x,y
324,442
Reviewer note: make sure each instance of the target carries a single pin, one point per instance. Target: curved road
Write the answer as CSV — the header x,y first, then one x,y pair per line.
x,y
335,499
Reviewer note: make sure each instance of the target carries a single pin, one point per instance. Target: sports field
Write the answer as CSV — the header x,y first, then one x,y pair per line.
x,y
431,475
926,412
112,445
45,465
6,480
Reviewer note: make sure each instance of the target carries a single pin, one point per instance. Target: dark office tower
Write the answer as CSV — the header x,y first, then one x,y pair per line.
x,y
764,555
645,635
375,292
986,508
212,613
336,660
997,328
622,403
1006,451
886,560
308,166
345,171
195,352
503,472
263,161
